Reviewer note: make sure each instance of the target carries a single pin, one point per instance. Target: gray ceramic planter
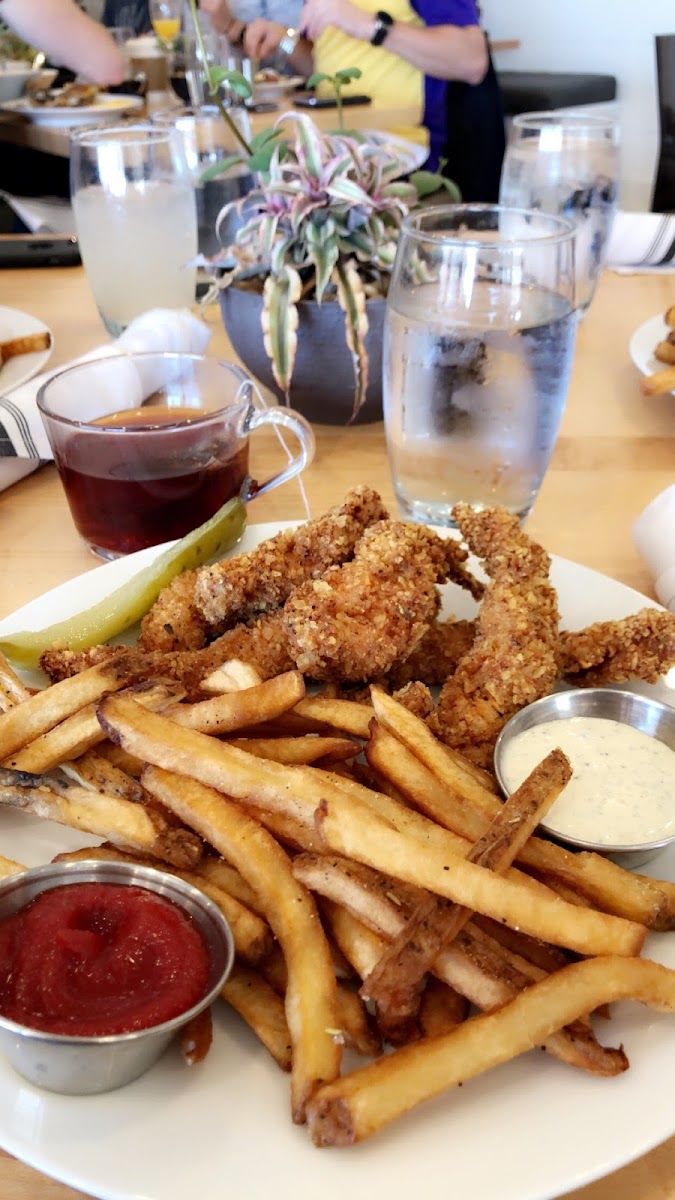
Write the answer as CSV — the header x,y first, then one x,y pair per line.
x,y
322,388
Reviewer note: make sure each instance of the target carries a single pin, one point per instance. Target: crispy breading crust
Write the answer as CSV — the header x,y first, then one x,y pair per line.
x,y
262,579
358,620
641,646
514,658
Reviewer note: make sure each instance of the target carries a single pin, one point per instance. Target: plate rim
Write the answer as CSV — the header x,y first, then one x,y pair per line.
x,y
40,1153
48,115
647,364
40,358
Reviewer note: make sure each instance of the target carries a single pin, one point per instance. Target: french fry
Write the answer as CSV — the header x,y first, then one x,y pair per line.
x,y
395,981
227,877
29,344
12,690
240,709
258,1004
346,715
474,965
350,829
302,750
128,825
442,1009
669,317
119,758
599,881
659,383
358,1105
232,676
104,776
9,867
42,711
665,352
196,1037
311,1004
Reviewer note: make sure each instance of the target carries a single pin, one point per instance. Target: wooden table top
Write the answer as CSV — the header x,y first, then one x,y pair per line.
x,y
615,452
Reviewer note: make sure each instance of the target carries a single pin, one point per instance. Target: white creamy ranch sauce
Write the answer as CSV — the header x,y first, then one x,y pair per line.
x,y
622,790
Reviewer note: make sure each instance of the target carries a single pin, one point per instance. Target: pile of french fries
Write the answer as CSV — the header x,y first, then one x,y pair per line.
x,y
379,891
663,381
15,347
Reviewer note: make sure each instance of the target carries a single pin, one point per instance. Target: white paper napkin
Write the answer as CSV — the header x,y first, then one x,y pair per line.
x,y
654,538
23,441
48,214
641,242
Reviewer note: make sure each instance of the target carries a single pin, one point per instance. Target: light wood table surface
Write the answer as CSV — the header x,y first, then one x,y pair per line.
x,y
615,452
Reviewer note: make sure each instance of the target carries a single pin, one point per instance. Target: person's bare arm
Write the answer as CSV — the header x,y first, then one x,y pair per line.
x,y
262,38
68,36
444,51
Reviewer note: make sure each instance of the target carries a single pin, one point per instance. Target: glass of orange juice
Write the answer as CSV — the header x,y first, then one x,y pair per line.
x,y
166,16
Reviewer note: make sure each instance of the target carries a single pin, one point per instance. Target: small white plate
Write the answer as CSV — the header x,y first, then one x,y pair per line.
x,y
14,324
108,107
268,92
643,342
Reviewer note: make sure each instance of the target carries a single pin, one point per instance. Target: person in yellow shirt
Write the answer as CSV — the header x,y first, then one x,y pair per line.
x,y
434,48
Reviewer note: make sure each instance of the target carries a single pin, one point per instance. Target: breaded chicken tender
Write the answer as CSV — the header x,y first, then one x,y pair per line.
x,y
641,646
262,579
358,620
263,644
514,658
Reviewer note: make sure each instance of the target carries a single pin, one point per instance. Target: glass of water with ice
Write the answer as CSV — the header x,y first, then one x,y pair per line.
x,y
135,218
567,163
478,347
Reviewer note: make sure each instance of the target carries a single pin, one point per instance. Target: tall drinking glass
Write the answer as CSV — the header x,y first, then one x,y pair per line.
x,y
567,163
136,219
478,347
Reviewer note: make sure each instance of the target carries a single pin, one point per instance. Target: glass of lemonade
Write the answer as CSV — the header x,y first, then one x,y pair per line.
x,y
136,219
567,163
478,347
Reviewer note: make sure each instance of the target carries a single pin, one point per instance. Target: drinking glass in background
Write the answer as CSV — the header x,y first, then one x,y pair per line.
x,y
136,219
567,163
478,346
149,445
207,140
165,16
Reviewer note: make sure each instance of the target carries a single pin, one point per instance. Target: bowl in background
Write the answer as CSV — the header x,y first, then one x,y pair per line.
x,y
14,76
80,1066
648,716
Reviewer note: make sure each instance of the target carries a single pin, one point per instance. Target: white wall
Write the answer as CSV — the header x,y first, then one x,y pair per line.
x,y
614,37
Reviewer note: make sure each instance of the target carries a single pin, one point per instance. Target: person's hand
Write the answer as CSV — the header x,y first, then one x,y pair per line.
x,y
318,15
261,38
218,13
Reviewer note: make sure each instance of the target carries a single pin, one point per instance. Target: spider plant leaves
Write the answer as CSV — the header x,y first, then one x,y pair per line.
x,y
280,322
352,300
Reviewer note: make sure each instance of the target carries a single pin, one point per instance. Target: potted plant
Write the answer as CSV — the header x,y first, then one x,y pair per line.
x,y
303,286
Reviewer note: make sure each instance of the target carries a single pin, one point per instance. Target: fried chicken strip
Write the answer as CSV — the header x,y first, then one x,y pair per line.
x,y
358,620
514,657
263,644
641,646
437,655
247,585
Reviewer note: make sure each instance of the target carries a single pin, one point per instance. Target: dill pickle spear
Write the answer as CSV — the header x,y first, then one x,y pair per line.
x,y
128,603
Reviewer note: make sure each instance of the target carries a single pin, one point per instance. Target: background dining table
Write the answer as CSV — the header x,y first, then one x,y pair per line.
x,y
615,452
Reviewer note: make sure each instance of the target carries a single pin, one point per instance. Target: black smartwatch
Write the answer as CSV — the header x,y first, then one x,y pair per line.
x,y
383,24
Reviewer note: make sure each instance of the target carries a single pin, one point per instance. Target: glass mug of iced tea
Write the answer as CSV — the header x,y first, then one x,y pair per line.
x,y
150,445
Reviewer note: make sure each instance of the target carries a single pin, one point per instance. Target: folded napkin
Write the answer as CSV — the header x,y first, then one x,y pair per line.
x,y
23,441
641,243
654,538
46,215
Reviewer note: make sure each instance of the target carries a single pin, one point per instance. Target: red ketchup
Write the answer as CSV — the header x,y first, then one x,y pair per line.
x,y
94,959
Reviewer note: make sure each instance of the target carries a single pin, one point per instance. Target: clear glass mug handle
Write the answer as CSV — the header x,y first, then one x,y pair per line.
x,y
292,422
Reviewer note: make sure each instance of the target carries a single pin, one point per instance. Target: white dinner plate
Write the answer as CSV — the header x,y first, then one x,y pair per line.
x,y
530,1130
108,107
642,344
14,324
